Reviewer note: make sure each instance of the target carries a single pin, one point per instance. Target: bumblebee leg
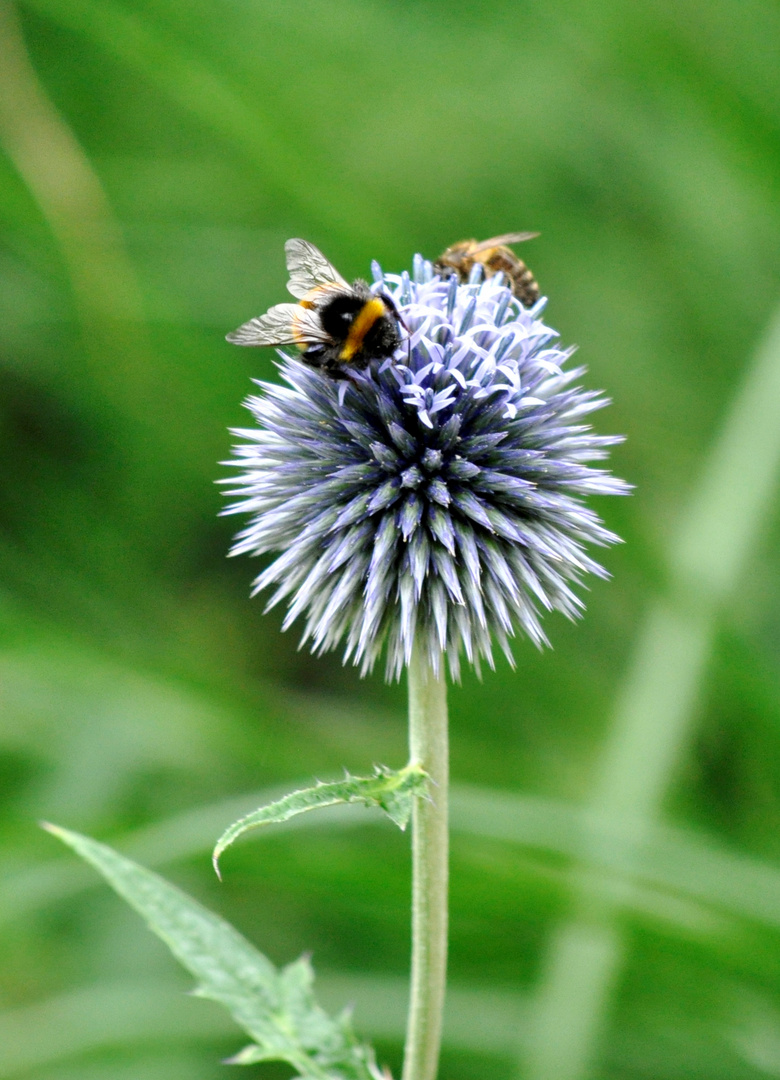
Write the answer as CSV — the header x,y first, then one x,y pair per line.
x,y
313,357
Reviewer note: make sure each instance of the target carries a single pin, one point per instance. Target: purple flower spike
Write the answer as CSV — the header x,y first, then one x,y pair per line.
x,y
436,497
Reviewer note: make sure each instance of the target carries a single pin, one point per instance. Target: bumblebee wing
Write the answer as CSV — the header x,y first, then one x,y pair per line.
x,y
308,268
284,324
507,238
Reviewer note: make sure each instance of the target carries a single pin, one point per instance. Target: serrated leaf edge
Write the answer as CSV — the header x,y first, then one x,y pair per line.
x,y
392,790
107,862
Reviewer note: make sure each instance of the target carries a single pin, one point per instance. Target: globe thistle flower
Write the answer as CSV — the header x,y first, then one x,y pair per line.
x,y
436,497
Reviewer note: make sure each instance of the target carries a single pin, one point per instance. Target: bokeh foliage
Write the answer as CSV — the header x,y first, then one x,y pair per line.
x,y
155,158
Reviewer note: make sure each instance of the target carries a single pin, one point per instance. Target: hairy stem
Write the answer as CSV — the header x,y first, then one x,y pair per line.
x,y
428,747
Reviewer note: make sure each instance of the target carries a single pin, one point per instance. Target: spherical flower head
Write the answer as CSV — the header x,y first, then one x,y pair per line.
x,y
435,498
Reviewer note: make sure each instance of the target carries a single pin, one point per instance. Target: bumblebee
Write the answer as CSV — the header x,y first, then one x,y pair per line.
x,y
494,257
334,324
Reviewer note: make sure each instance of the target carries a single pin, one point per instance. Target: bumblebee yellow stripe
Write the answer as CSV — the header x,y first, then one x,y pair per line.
x,y
361,324
300,337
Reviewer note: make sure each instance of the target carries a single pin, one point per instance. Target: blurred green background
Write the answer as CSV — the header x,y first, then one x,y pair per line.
x,y
616,842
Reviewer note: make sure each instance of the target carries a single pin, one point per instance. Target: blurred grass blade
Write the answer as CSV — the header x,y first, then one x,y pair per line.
x,y
276,1008
738,485
60,176
109,1014
125,1013
656,706
671,859
668,858
391,791
200,90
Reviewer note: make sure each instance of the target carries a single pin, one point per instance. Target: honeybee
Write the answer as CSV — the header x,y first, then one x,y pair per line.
x,y
494,257
335,325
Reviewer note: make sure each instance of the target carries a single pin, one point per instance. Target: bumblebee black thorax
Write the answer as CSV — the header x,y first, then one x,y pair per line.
x,y
338,314
360,325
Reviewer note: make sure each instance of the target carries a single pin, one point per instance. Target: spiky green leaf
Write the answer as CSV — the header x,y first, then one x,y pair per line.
x,y
390,790
277,1009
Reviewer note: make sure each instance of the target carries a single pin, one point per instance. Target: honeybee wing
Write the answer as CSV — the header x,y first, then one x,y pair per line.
x,y
507,238
308,268
283,324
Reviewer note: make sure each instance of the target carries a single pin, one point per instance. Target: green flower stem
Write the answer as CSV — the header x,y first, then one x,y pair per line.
x,y
428,747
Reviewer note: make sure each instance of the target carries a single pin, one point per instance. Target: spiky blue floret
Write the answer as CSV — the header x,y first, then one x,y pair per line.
x,y
436,497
